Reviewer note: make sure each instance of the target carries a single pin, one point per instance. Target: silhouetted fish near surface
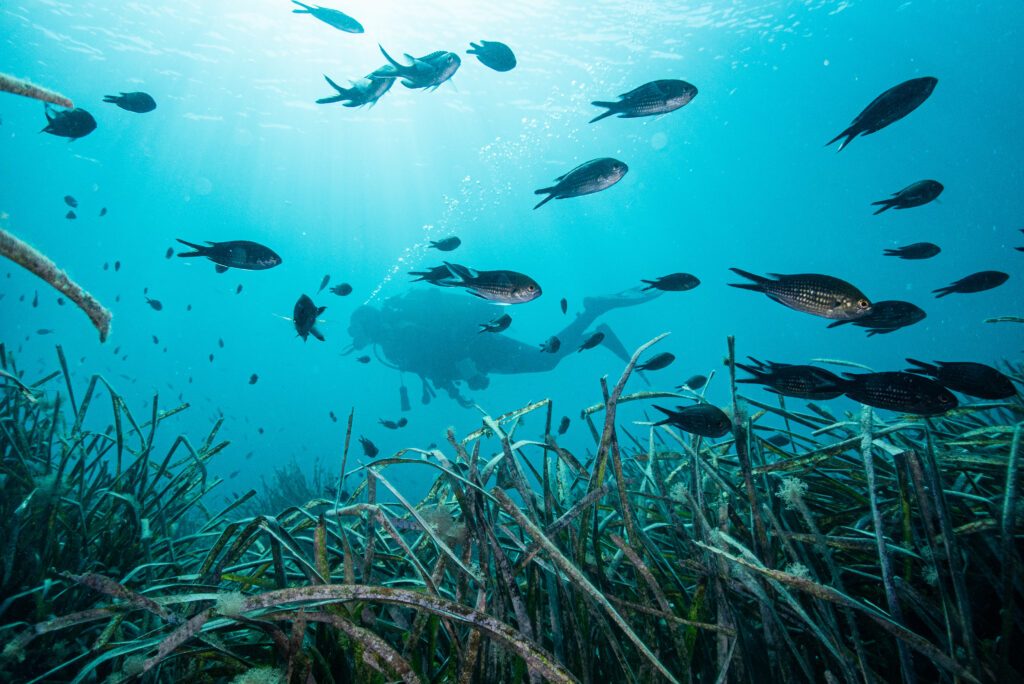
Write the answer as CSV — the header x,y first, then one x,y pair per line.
x,y
591,341
365,91
35,300
323,283
137,102
363,359
974,379
497,325
342,290
917,250
695,383
563,425
551,345
71,215
72,124
331,17
103,211
169,253
369,448
587,178
238,290
493,55
914,195
70,201
564,305
650,99
44,331
674,282
812,293
976,282
502,287
887,316
304,317
700,419
242,254
889,107
801,382
253,379
117,265
898,391
656,362
446,245
429,71
154,304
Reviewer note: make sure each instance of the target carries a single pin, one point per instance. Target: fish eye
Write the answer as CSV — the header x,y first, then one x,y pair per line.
x,y
863,303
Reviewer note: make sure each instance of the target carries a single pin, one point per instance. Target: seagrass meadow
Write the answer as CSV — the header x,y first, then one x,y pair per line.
x,y
866,549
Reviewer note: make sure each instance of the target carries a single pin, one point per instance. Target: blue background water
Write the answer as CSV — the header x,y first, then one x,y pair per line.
x,y
238,150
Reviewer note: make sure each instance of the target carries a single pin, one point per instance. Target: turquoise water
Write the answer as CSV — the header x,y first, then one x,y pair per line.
x,y
237,149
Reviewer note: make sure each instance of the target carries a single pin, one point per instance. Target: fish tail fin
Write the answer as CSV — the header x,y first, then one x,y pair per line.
x,y
666,412
650,285
343,93
474,49
306,9
547,199
612,109
756,286
199,249
943,291
922,368
113,98
893,252
849,134
885,204
388,57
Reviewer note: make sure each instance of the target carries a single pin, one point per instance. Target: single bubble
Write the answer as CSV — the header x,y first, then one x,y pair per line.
x,y
659,140
202,186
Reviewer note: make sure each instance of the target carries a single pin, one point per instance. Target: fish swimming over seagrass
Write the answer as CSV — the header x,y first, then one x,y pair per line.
x,y
887,316
812,293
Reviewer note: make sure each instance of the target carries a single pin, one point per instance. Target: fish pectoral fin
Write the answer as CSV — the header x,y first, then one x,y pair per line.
x,y
219,268
320,310
316,333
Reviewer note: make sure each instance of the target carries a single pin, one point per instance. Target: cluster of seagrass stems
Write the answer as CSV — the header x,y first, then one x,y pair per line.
x,y
860,551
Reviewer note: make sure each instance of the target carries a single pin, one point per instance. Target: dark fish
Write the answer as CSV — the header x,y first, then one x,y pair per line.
x,y
369,448
220,342
103,211
234,474
493,54
71,215
365,91
889,107
898,391
812,293
696,382
650,99
73,123
44,331
154,304
436,275
974,379
253,379
211,358
503,287
887,316
250,256
918,250
656,362
446,245
363,359
188,307
914,195
169,253
106,266
60,301
551,345
323,282
497,325
156,340
304,317
117,265
563,426
429,71
564,305
342,290
976,282
778,440
70,201
802,382
35,300
700,419
393,424
587,178
334,418
238,290
331,17
137,102
591,341
674,282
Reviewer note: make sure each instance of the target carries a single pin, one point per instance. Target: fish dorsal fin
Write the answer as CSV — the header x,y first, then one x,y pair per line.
x,y
320,310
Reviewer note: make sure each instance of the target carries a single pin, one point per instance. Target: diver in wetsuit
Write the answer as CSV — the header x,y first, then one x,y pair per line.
x,y
434,334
